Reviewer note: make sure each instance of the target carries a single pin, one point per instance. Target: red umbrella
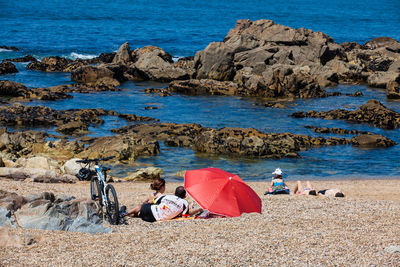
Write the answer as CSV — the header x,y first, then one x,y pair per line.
x,y
221,192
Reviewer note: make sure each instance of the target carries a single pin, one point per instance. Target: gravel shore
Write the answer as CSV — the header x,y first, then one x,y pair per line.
x,y
356,230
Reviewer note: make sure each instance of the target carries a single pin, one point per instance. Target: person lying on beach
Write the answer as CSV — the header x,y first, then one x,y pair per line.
x,y
331,193
158,186
278,185
168,207
308,190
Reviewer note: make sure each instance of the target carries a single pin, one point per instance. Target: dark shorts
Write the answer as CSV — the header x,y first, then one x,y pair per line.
x,y
146,214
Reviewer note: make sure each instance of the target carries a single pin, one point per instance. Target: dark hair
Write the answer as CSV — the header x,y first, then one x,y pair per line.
x,y
157,184
312,192
339,194
180,192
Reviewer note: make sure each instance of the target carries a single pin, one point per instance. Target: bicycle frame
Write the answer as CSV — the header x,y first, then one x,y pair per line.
x,y
103,182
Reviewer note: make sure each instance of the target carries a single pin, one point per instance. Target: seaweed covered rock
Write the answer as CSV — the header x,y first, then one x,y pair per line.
x,y
7,67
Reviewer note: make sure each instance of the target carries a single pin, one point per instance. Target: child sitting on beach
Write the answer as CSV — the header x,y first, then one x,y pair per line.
x,y
278,185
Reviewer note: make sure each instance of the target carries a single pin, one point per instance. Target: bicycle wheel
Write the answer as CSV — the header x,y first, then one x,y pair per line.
x,y
112,207
96,190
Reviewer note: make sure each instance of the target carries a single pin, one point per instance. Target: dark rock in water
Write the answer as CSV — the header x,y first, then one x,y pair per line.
x,y
372,140
393,89
334,94
73,128
50,64
355,94
27,58
7,67
102,85
152,63
12,48
230,141
334,130
133,117
12,89
160,92
49,212
206,87
92,74
373,112
150,107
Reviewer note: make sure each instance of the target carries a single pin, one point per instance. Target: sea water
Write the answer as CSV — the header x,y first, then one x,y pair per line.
x,y
87,28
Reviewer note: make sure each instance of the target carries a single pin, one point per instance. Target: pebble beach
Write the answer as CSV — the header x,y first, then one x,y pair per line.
x,y
361,229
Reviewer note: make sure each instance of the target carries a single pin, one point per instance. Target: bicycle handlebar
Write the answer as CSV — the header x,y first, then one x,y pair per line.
x,y
85,161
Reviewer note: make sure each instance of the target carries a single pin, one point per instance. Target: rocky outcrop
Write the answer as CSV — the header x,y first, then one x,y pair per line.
x,y
27,58
372,140
334,130
49,212
206,87
7,67
133,117
158,91
12,89
11,48
373,112
50,64
92,74
393,88
152,63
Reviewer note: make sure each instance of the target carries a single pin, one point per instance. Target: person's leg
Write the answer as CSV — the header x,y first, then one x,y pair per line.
x,y
135,211
298,188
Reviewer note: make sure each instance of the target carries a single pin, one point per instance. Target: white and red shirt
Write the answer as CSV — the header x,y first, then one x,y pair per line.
x,y
169,207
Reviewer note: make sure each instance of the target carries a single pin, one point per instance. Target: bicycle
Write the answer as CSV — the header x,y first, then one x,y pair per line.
x,y
99,188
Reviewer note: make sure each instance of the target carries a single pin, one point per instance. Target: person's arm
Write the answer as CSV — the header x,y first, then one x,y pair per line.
x,y
272,183
149,198
193,211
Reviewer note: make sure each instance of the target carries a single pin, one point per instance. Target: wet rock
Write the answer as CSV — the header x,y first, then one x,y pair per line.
x,y
373,112
133,117
372,140
104,84
12,89
229,141
123,55
355,94
393,88
7,67
145,174
27,58
334,130
206,87
159,91
90,74
50,64
73,128
152,63
150,107
12,48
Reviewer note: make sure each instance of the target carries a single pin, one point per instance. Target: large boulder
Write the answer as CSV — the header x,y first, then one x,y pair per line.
x,y
123,55
372,140
37,162
381,79
90,74
262,43
7,67
71,166
12,89
393,88
48,212
152,63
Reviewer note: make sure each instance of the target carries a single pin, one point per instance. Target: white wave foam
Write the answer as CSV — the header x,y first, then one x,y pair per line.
x,y
74,55
176,58
5,50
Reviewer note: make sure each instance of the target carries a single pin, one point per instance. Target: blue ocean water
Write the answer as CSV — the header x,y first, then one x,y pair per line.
x,y
87,28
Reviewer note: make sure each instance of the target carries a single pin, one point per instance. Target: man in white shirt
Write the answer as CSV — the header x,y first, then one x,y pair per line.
x,y
167,207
